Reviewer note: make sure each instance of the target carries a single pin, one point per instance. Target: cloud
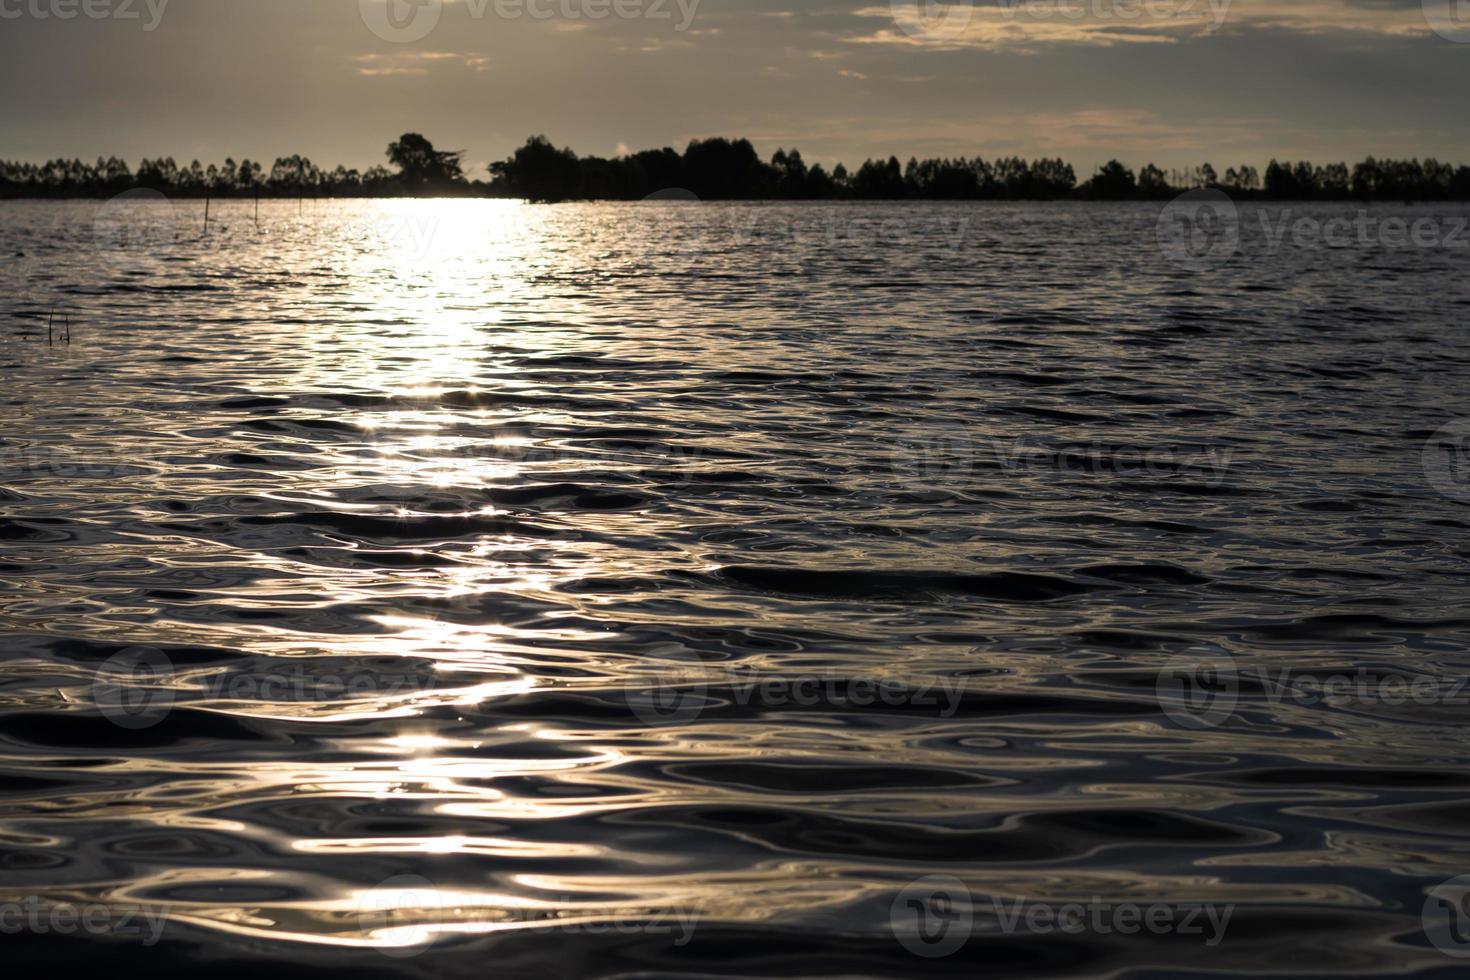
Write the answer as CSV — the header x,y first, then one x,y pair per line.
x,y
417,63
1028,26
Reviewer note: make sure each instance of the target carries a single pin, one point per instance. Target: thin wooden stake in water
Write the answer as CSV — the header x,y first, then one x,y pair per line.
x,y
206,217
68,330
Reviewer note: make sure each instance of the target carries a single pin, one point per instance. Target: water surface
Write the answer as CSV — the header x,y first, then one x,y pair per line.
x,y
665,589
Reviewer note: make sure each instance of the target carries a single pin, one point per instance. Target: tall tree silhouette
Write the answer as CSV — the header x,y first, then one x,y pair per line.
x,y
539,171
423,168
1113,182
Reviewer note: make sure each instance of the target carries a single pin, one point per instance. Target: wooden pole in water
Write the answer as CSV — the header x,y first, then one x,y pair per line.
x,y
68,330
206,216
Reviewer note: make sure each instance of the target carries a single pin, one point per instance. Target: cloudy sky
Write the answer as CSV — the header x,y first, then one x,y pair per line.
x,y
1171,81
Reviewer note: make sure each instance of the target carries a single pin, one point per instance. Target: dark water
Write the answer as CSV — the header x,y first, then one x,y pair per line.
x,y
468,589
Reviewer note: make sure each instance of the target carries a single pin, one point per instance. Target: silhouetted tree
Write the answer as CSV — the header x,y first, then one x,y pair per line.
x,y
1053,178
655,170
421,168
722,170
1332,181
1243,180
1152,184
1280,183
876,181
840,178
539,171
1113,182
791,174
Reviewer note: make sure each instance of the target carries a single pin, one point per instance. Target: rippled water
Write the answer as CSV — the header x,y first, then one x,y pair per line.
x,y
472,589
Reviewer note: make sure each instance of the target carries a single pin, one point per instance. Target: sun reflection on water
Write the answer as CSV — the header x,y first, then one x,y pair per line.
x,y
482,541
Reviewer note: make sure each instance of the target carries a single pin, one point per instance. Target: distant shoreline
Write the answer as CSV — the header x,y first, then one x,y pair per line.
x,y
726,170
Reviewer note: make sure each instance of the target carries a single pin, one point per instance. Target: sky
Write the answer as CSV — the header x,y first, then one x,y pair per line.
x,y
1174,82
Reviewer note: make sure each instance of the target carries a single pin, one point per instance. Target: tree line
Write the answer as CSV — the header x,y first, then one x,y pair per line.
x,y
724,169
419,171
